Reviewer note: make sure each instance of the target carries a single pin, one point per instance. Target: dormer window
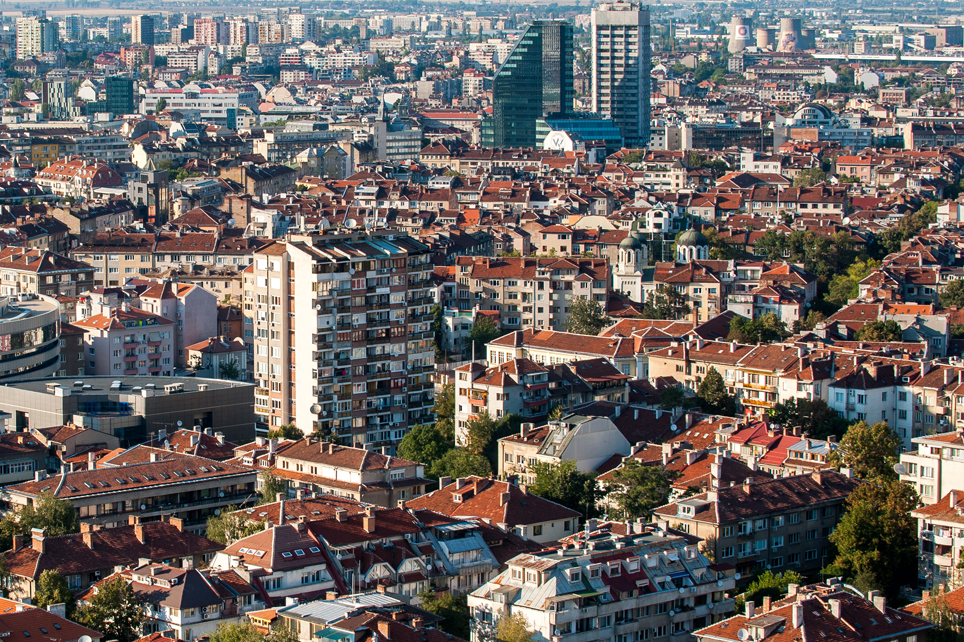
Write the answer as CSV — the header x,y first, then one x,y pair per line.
x,y
614,569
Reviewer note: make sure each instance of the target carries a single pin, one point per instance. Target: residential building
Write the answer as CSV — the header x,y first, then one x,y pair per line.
x,y
508,506
780,524
621,69
23,624
937,466
77,177
142,30
41,272
341,332
530,293
355,473
35,37
146,482
940,541
613,580
128,342
208,357
30,329
89,556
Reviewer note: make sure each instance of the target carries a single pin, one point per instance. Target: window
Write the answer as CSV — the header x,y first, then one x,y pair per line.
x,y
777,542
811,555
726,551
537,530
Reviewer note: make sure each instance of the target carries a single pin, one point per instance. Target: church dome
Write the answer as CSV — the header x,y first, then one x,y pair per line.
x,y
692,237
630,243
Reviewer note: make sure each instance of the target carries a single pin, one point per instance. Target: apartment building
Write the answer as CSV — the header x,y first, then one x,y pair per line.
x,y
127,341
364,475
341,326
530,293
524,387
24,271
550,348
164,484
937,466
774,524
941,542
622,581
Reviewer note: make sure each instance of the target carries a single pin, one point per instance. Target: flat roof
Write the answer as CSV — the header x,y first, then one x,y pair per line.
x,y
106,384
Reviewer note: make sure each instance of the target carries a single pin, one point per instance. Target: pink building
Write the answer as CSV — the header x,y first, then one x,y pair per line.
x,y
193,309
128,342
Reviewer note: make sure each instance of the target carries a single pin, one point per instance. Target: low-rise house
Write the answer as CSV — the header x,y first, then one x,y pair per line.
x,y
27,625
87,557
202,443
504,504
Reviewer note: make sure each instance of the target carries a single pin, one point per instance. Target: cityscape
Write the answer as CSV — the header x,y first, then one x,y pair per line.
x,y
434,322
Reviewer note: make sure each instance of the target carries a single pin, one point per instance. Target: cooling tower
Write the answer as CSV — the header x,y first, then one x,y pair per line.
x,y
765,38
789,34
808,39
739,34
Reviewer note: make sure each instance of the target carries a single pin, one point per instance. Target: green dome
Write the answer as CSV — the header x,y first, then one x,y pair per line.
x,y
630,243
691,237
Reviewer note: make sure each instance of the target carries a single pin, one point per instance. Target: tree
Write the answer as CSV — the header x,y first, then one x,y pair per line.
x,y
460,462
953,294
938,612
115,610
713,396
665,302
438,331
483,331
513,628
230,370
911,225
870,451
811,321
161,104
672,397
424,443
52,589
640,488
876,539
809,177
287,431
586,316
765,329
246,632
271,485
556,412
231,525
880,331
453,608
815,418
564,484
768,584
56,516
479,432
18,89
444,411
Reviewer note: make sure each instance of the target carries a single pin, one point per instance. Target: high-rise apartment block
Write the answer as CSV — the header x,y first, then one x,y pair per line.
x,y
142,30
535,81
341,328
35,37
210,32
621,64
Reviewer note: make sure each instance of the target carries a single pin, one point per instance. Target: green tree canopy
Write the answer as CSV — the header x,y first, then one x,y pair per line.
x,y
938,611
115,610
810,321
483,331
667,303
287,431
586,316
870,451
513,628
637,489
247,632
453,608
230,370
712,395
479,432
18,89
809,177
911,225
876,539
768,584
161,104
271,485
880,331
953,294
765,329
52,589
444,411
425,444
672,397
460,462
56,516
231,525
564,484
814,418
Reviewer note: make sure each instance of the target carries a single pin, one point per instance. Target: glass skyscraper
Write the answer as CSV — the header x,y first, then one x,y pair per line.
x,y
534,82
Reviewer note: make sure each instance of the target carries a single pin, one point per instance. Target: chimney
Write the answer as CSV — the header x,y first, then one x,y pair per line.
x,y
524,430
747,483
153,457
444,481
880,603
953,498
751,462
220,437
797,615
504,499
368,523
331,595
383,628
88,539
817,477
139,534
948,376
92,461
766,603
300,494
750,609
38,538
792,589
131,520
691,456
835,608
417,623
177,523
341,514
17,542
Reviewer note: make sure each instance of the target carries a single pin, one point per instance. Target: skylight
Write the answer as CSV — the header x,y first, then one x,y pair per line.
x,y
286,555
299,552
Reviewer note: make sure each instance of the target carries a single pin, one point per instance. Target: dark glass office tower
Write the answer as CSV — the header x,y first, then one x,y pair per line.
x,y
534,82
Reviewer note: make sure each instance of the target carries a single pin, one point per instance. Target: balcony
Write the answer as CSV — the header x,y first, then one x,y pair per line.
x,y
477,401
942,560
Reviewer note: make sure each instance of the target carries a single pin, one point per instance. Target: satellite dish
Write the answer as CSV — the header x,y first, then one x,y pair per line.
x,y
682,590
719,582
900,469
351,271
736,576
846,220
672,613
85,638
231,222
743,634
143,506
351,223
315,408
179,423
217,511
